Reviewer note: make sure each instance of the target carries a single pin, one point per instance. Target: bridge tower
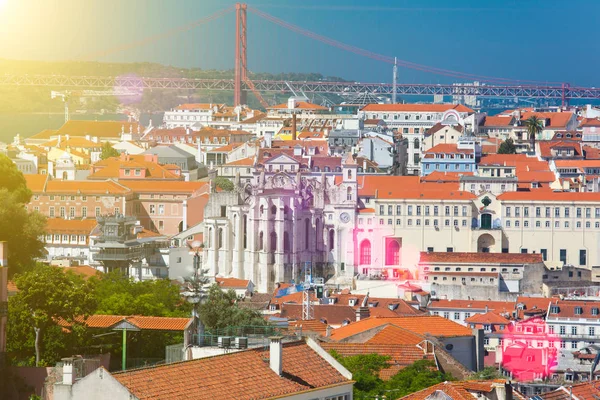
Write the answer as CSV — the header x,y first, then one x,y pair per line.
x,y
241,66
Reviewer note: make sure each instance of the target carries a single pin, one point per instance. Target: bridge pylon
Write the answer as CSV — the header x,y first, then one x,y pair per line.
x,y
241,65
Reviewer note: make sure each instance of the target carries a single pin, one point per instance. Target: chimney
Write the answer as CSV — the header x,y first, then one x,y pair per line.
x,y
362,313
68,372
294,126
328,331
275,354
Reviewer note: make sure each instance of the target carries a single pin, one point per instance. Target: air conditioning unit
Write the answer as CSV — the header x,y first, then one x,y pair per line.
x,y
224,342
241,342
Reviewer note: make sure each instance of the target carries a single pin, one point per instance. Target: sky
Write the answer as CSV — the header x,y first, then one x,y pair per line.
x,y
547,41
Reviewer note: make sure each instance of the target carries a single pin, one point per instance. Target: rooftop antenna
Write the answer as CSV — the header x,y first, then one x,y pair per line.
x,y
395,78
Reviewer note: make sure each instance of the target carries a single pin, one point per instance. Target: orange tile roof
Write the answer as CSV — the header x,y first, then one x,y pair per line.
x,y
497,306
558,120
465,390
73,142
443,176
447,148
503,121
101,129
431,324
240,375
242,162
488,318
70,226
366,210
582,391
393,334
588,122
198,106
401,355
301,105
36,183
45,134
479,258
142,322
417,107
225,149
111,167
329,314
549,195
232,283
577,163
311,325
177,187
84,270
406,187
86,187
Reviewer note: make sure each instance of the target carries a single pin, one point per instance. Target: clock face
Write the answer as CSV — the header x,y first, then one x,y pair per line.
x,y
344,217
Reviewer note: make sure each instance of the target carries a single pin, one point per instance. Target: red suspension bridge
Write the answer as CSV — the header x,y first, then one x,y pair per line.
x,y
487,87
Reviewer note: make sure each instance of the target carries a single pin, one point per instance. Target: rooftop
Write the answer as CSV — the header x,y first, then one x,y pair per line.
x,y
417,107
479,258
240,375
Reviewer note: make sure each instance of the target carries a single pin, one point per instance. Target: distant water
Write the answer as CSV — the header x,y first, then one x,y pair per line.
x,y
29,124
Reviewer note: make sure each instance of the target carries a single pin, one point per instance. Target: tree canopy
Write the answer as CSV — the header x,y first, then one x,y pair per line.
x,y
534,126
221,310
45,296
366,368
224,184
20,228
108,151
507,147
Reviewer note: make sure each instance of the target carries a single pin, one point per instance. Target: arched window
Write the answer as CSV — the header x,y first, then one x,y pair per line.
x,y
220,238
349,174
273,209
327,169
234,227
306,232
286,242
392,254
365,252
210,238
273,241
260,241
262,210
331,239
349,193
245,228
416,143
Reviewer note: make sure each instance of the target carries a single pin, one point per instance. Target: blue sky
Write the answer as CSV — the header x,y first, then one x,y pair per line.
x,y
529,39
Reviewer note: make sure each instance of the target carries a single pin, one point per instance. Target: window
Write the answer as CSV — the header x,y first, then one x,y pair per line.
x,y
51,212
526,212
398,210
573,346
508,211
567,212
464,222
456,211
578,212
152,209
447,210
446,315
456,316
390,210
409,210
398,221
435,210
72,212
380,221
563,330
544,254
365,252
556,212
464,211
538,212
62,212
517,223
418,210
563,255
517,211
547,212
582,257
591,331
381,208
161,224
97,213
508,223
161,209
574,328
83,212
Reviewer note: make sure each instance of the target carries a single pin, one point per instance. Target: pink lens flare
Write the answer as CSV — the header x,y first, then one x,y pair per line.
x,y
529,350
129,89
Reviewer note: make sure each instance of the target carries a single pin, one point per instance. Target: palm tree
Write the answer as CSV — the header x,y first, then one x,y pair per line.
x,y
534,126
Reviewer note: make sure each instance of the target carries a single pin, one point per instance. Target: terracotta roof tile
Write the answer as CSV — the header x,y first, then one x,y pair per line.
x,y
232,283
488,318
549,195
480,258
240,375
176,187
498,121
445,177
582,391
101,129
198,106
86,187
393,334
401,355
433,325
70,226
301,105
142,322
479,305
36,183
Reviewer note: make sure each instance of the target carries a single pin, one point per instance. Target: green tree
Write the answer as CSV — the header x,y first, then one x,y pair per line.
x,y
47,295
534,127
20,228
221,310
507,147
417,376
365,369
13,180
117,294
487,373
108,151
224,184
